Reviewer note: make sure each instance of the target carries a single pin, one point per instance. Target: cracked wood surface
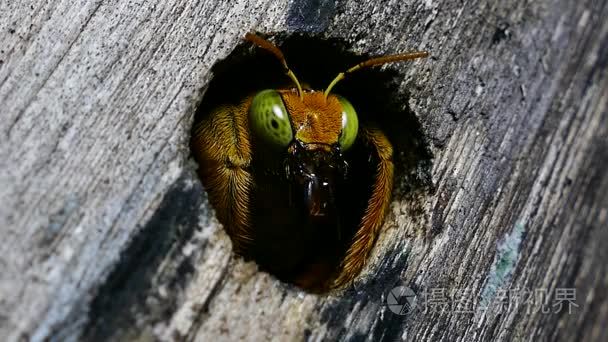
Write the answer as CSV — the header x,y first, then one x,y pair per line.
x,y
107,233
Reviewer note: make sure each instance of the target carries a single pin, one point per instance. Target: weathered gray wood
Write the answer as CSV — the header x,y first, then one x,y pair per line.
x,y
106,231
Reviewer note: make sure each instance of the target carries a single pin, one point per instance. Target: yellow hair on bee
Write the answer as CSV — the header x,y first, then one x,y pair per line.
x,y
373,218
222,148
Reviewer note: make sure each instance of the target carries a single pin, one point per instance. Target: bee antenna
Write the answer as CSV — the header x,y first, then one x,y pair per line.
x,y
376,61
268,46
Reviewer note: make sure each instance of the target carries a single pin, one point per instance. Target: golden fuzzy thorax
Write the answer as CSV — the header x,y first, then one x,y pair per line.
x,y
315,119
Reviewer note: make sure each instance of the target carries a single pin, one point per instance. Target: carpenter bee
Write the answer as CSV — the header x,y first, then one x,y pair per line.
x,y
299,184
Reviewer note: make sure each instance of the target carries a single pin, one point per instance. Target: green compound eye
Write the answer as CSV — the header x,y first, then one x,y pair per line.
x,y
269,119
350,124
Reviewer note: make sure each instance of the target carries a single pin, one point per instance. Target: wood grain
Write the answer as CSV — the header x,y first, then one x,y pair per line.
x,y
107,232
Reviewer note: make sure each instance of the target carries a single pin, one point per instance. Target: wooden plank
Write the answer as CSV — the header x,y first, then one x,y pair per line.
x,y
107,232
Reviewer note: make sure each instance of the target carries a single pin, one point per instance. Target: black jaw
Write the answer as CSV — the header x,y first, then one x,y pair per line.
x,y
314,174
306,204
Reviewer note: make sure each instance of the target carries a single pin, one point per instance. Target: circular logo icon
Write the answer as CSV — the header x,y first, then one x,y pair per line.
x,y
401,300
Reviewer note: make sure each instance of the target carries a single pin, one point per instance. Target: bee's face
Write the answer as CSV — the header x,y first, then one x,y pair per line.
x,y
314,131
282,117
